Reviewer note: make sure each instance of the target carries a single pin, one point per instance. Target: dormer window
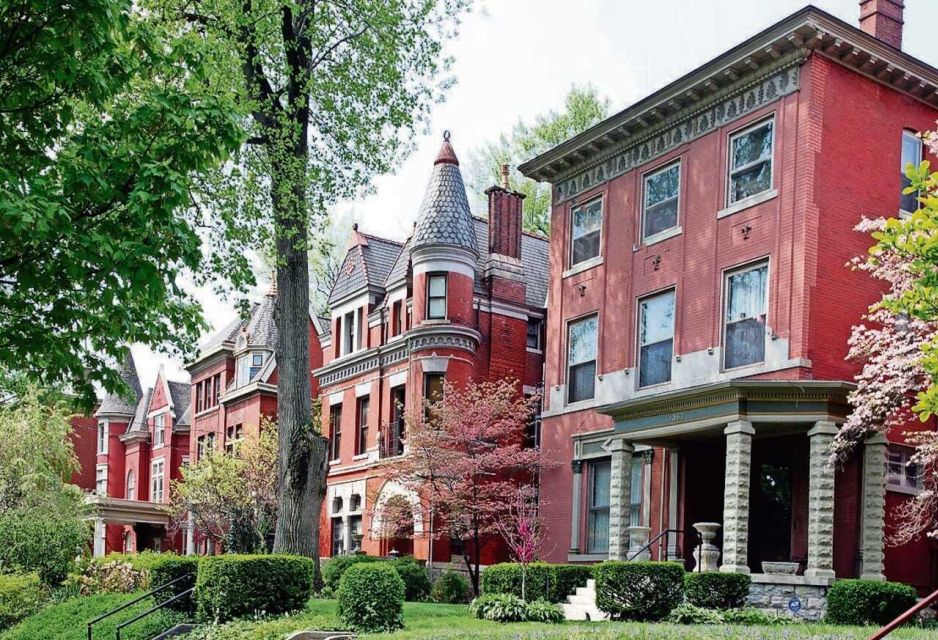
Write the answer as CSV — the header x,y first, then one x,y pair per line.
x,y
249,365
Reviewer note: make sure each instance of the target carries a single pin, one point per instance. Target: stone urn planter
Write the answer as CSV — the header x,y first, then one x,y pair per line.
x,y
780,568
638,538
707,555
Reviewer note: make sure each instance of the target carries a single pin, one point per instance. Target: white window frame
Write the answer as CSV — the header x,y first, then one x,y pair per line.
x,y
670,231
727,273
638,336
586,262
103,435
909,134
569,364
445,279
130,489
100,477
899,481
730,170
159,430
159,463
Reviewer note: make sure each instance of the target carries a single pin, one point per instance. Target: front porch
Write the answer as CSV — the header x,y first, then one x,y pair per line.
x,y
122,525
750,456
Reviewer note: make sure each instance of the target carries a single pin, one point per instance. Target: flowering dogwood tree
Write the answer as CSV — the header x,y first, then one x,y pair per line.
x,y
465,458
898,345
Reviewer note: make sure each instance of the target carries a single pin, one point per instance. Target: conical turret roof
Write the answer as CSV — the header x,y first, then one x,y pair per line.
x,y
114,403
444,218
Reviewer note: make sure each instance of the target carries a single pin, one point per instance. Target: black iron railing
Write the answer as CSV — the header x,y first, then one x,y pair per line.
x,y
148,594
140,616
663,540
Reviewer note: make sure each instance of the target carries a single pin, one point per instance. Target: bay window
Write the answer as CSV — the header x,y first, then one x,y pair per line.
x,y
744,327
659,213
751,161
655,339
587,222
581,358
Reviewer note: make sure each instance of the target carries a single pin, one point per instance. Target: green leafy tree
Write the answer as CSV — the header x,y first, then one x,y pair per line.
x,y
583,107
335,90
105,118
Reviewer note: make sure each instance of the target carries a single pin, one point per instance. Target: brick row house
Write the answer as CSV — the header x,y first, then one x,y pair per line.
x,y
130,453
700,309
462,299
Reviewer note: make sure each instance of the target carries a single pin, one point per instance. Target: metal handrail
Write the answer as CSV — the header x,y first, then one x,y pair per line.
x,y
152,609
108,614
653,541
905,617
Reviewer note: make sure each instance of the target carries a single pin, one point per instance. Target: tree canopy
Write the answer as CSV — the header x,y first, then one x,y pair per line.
x,y
583,107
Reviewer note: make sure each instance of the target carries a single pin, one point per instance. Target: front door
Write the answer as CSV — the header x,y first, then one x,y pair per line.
x,y
771,501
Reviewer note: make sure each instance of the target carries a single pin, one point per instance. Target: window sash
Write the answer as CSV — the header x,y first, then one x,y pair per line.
x,y
900,472
655,339
131,490
752,165
103,435
745,316
156,483
581,358
534,334
597,522
362,441
335,431
586,233
436,297
911,153
660,215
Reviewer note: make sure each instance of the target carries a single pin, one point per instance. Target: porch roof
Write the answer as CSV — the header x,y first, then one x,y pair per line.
x,y
700,408
121,511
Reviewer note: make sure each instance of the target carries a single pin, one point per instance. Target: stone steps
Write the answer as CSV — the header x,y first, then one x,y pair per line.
x,y
581,605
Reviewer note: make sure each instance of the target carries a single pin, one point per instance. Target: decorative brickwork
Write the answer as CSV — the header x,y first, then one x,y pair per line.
x,y
821,503
736,496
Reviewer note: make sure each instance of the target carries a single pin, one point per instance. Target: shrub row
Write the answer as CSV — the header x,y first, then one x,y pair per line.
x,y
542,581
865,602
230,586
20,596
413,573
506,607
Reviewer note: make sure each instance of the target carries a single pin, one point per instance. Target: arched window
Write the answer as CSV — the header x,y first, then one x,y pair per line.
x,y
131,492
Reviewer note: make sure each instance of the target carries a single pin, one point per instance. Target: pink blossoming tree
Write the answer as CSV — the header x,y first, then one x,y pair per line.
x,y
465,458
522,530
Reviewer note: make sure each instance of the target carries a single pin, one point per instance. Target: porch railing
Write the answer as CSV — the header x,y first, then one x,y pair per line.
x,y
662,540
924,603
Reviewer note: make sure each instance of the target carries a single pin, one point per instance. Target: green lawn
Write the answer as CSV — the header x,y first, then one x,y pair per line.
x,y
425,621
66,620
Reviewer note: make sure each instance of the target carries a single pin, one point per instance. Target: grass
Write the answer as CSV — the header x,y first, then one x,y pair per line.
x,y
66,620
426,621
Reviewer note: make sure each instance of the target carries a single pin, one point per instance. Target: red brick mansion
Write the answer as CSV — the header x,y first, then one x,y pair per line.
x,y
700,309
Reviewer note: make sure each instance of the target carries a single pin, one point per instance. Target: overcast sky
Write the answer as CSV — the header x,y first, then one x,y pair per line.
x,y
515,59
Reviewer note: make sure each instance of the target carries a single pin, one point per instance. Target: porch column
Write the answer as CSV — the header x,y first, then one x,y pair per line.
x,y
820,502
577,467
190,536
874,508
620,498
736,496
673,538
100,533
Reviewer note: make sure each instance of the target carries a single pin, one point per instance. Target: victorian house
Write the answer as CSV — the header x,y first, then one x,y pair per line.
x,y
700,309
462,299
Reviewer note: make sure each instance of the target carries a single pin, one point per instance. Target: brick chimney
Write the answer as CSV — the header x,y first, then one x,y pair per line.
x,y
882,19
504,219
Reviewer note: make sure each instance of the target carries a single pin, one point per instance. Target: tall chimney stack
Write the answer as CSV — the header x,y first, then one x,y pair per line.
x,y
504,219
882,19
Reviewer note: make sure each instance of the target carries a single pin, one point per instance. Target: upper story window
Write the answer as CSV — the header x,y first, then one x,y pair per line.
x,y
662,189
911,154
901,473
335,431
436,296
587,223
100,480
350,332
535,330
745,317
233,437
655,339
581,358
102,436
157,478
361,439
207,392
131,490
751,161
159,430
249,365
397,318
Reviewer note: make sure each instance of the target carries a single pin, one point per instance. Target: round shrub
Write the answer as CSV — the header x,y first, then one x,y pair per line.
x,y
229,586
20,596
638,590
451,588
499,607
333,569
542,581
371,598
868,602
716,590
414,575
686,613
543,611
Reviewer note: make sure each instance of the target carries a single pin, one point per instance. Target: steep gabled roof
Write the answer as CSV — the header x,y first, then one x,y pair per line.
x,y
139,421
366,265
180,393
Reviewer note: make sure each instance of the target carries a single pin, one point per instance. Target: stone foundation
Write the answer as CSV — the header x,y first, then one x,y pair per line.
x,y
773,594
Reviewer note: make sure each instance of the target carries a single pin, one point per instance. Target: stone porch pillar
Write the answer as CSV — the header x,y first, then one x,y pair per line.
x,y
736,496
190,536
100,534
577,467
874,508
620,498
820,502
673,521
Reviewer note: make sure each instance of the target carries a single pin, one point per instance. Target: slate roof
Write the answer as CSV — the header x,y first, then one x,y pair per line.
x,y
117,403
260,325
139,421
180,393
401,265
228,334
366,264
444,217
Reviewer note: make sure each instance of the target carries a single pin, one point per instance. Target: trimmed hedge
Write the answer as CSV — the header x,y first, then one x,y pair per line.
x,y
450,588
333,569
20,596
716,590
550,582
638,590
229,586
371,597
416,581
868,602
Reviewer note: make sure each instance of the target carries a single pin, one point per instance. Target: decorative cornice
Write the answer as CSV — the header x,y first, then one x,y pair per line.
x,y
425,338
361,362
